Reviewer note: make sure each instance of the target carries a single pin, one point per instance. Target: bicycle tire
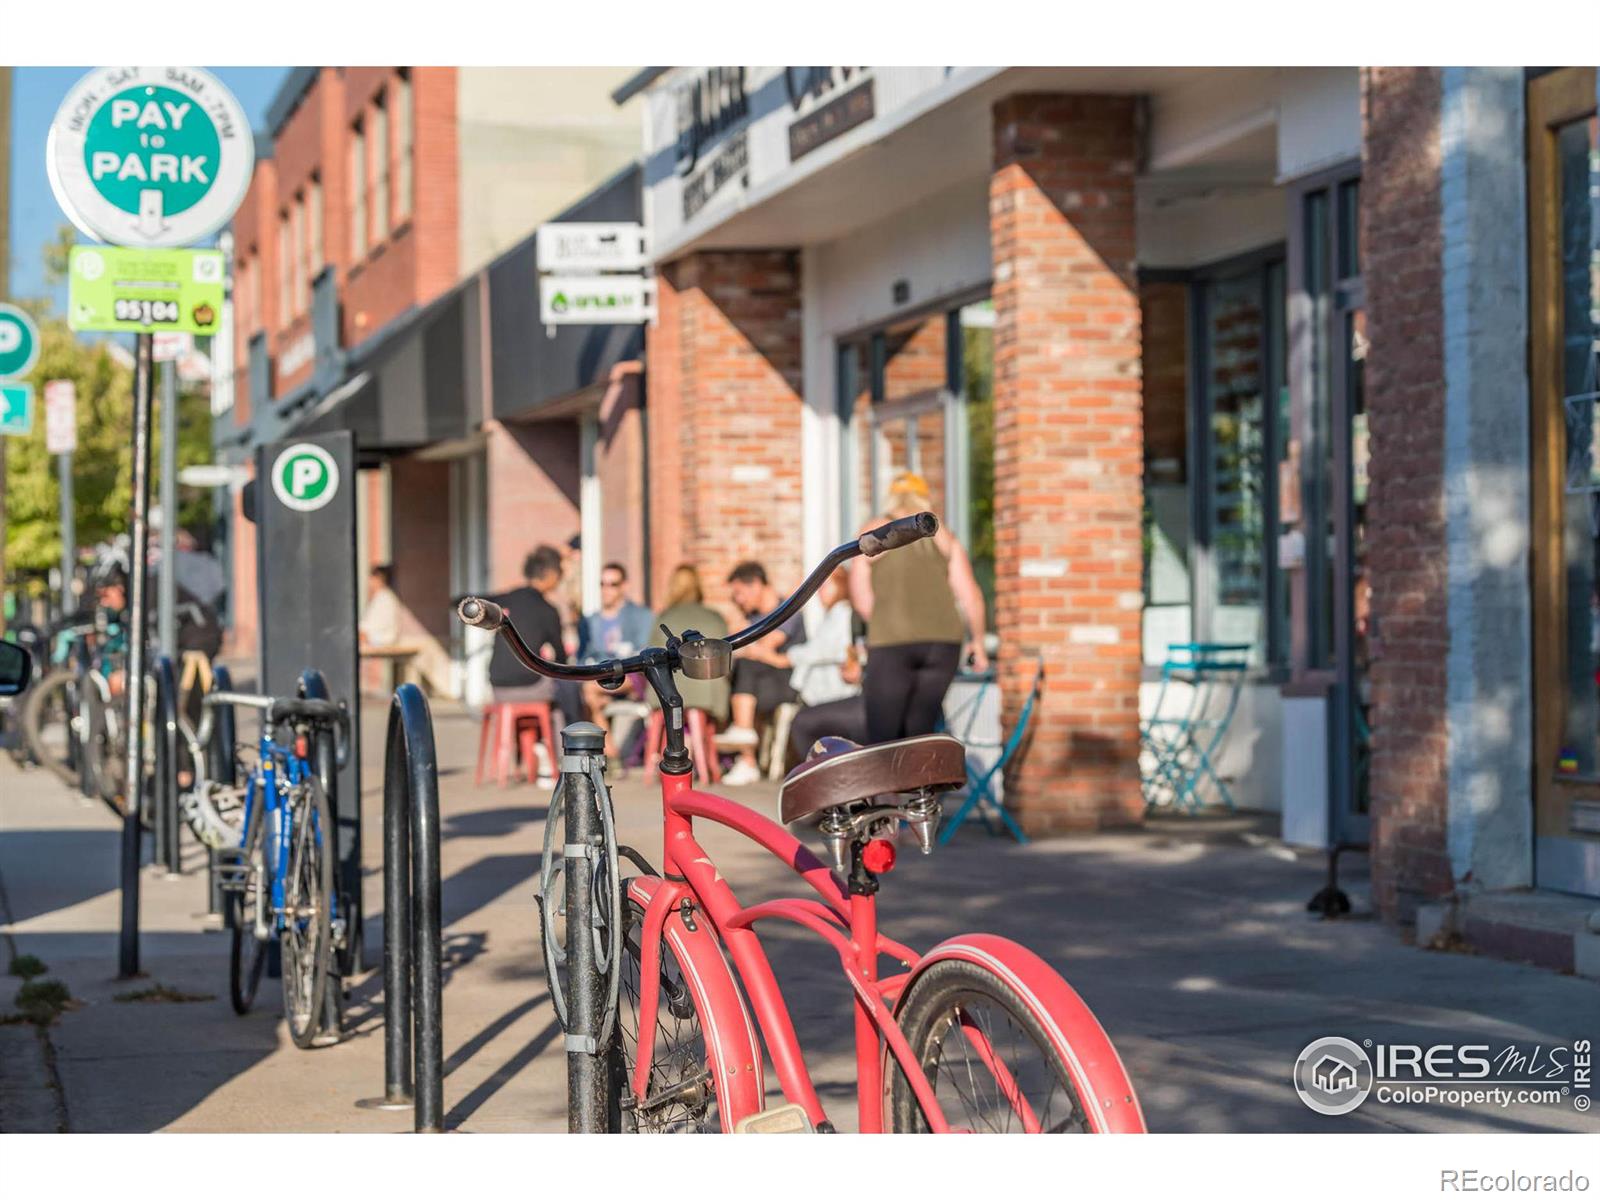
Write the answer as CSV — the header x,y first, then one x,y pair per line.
x,y
249,953
679,1058
308,894
954,991
47,703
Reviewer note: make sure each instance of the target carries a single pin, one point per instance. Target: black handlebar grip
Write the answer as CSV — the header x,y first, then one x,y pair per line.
x,y
898,533
481,614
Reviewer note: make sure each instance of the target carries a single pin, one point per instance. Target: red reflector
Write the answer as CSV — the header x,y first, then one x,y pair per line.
x,y
878,857
302,746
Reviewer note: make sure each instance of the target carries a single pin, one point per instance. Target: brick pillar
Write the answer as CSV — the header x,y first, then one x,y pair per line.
x,y
1068,451
533,492
419,515
1407,556
724,413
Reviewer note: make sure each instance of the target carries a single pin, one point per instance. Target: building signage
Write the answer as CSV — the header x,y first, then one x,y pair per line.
x,y
111,289
305,477
60,416
732,161
596,299
830,100
150,156
16,409
19,342
592,246
709,103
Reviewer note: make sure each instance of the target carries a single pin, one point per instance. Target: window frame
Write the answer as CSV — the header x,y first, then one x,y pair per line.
x,y
403,122
357,167
378,153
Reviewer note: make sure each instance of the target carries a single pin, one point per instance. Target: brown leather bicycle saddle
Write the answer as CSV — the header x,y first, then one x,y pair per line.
x,y
838,771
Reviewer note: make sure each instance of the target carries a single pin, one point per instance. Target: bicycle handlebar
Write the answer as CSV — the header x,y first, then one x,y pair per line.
x,y
489,616
281,708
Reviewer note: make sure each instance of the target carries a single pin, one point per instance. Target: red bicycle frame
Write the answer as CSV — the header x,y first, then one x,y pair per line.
x,y
849,924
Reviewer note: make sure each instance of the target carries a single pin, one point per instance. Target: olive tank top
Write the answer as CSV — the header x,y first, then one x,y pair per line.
x,y
911,598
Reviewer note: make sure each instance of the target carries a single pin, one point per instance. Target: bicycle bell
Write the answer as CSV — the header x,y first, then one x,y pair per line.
x,y
706,658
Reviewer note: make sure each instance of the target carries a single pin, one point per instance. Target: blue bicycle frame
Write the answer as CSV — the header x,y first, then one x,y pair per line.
x,y
279,770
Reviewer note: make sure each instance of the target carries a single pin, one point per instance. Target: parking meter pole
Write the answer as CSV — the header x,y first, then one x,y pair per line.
x,y
586,1059
69,530
167,581
137,629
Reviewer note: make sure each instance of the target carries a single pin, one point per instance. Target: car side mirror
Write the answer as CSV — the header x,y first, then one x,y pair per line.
x,y
15,668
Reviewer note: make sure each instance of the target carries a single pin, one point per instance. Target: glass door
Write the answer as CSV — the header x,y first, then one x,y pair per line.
x,y
1564,345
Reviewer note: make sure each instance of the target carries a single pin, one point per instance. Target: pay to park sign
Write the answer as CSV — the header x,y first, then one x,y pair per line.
x,y
111,289
150,156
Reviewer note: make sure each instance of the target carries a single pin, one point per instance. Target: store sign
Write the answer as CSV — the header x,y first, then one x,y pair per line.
x,y
592,246
115,290
732,162
596,300
60,416
19,342
16,409
710,103
150,156
830,101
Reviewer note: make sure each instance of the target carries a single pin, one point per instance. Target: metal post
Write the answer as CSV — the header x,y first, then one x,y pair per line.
x,y
167,581
413,978
219,753
138,604
69,529
168,851
586,1060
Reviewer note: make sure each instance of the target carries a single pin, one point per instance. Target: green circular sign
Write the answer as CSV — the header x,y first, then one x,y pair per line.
x,y
305,477
19,342
147,137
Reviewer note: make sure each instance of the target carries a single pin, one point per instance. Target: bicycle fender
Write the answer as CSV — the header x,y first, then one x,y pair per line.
x,y
1112,1104
732,1046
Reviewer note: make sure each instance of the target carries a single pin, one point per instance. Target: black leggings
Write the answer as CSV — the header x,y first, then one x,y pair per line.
x,y
905,687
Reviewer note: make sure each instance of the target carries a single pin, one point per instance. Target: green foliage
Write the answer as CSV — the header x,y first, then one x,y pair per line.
x,y
42,1000
102,467
977,362
27,966
160,993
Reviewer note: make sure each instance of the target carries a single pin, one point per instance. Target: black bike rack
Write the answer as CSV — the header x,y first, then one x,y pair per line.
x,y
412,946
221,766
165,820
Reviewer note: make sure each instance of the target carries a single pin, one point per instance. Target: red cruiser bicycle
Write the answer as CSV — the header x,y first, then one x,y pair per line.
x,y
978,1035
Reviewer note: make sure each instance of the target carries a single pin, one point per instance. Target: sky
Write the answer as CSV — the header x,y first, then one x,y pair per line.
x,y
36,93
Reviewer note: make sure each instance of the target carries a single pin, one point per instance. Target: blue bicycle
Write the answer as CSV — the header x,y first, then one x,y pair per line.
x,y
276,834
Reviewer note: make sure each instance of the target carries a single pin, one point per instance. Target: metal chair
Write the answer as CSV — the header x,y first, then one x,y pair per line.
x,y
979,800
1182,739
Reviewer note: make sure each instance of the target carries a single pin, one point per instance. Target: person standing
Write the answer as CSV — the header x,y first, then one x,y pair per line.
x,y
686,609
913,600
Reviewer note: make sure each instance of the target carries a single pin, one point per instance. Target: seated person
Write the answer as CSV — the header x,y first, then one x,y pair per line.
x,y
531,609
761,670
380,623
618,628
686,609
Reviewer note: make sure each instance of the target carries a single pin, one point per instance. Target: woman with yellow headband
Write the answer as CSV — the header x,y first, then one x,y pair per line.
x,y
921,604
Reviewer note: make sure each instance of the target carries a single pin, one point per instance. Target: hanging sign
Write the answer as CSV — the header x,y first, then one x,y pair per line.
x,y
16,409
19,342
60,416
596,299
150,156
592,246
111,289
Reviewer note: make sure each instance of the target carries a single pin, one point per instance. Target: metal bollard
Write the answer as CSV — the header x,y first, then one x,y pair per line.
x,y
220,766
413,1014
166,824
586,1059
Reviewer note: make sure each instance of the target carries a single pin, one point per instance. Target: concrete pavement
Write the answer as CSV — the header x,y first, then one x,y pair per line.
x,y
1189,940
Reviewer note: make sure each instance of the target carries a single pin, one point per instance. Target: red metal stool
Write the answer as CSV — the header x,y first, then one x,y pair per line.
x,y
508,728
702,749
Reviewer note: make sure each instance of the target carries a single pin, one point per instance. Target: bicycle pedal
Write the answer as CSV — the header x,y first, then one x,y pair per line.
x,y
785,1118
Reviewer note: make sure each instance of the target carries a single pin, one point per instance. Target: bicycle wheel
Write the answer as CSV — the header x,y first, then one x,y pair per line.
x,y
960,1018
680,1097
249,911
47,715
103,749
306,932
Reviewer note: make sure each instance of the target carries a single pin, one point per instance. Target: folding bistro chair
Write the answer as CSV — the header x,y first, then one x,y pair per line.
x,y
1181,739
979,800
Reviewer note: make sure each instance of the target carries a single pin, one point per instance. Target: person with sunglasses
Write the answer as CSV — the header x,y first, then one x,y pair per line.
x,y
617,629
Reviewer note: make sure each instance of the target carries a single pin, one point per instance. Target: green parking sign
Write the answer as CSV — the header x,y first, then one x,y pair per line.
x,y
305,477
16,409
19,342
150,156
111,289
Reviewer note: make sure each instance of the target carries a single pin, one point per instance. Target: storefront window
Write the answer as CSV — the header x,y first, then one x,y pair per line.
x,y
1168,614
1578,166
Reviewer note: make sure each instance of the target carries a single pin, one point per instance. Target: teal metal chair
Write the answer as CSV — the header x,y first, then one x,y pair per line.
x,y
1189,723
979,801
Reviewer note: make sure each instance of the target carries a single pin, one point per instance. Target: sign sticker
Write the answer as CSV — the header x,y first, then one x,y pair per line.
x,y
150,156
305,477
16,409
19,342
111,289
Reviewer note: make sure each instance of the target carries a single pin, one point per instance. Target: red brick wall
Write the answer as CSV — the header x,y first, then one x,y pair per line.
x,y
1068,451
533,492
724,402
619,466
419,512
1406,552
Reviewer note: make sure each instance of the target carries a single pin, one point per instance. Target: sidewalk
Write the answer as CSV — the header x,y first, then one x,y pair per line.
x,y
1189,940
